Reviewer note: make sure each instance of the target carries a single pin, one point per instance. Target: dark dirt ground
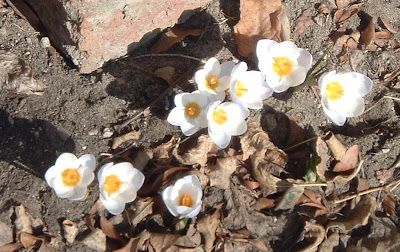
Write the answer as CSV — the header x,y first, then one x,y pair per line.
x,y
76,112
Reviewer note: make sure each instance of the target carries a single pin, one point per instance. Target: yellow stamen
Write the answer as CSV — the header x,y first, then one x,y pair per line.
x,y
241,89
212,82
283,66
220,116
186,200
334,90
70,177
112,184
192,110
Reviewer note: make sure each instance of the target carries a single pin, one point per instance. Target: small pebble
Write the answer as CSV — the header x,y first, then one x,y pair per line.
x,y
45,42
107,133
93,132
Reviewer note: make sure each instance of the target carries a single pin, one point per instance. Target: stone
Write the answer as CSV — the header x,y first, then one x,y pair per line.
x,y
92,32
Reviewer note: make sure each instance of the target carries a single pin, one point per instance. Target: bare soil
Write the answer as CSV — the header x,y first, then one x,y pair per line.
x,y
76,114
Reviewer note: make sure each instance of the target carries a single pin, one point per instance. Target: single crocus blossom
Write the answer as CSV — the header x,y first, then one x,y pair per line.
x,y
284,64
225,120
248,88
342,94
70,176
214,78
118,185
190,112
183,199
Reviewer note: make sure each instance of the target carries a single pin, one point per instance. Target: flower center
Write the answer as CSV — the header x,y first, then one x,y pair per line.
x,y
192,110
241,89
282,66
112,184
220,116
186,200
70,177
212,82
334,90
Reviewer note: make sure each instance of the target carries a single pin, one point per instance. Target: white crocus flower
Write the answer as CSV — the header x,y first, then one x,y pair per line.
x,y
342,94
190,112
248,88
284,64
183,199
225,120
214,78
118,185
70,176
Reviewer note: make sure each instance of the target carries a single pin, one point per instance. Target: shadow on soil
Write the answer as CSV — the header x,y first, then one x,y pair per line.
x,y
31,143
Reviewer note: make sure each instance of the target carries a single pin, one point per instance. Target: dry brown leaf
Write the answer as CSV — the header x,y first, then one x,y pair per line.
x,y
329,243
6,234
23,222
342,15
357,217
133,135
70,230
11,247
368,34
384,175
162,153
16,75
221,172
97,206
162,242
263,155
322,150
310,199
362,185
303,21
263,203
196,154
258,20
387,25
96,240
345,176
348,161
190,241
141,209
258,244
108,229
290,198
29,240
250,184
166,73
340,4
338,149
381,38
296,133
316,234
389,204
172,36
45,248
207,227
131,246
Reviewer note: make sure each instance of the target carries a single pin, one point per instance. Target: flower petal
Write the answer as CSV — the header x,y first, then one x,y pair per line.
x,y
212,67
112,206
325,79
221,139
87,176
333,116
188,128
166,195
178,99
194,212
176,116
88,160
286,48
103,168
304,59
226,68
356,83
264,47
67,160
61,190
296,77
200,79
79,193
349,106
51,175
127,193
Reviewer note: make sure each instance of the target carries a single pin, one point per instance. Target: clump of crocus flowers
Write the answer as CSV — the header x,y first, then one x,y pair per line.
x,y
282,66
